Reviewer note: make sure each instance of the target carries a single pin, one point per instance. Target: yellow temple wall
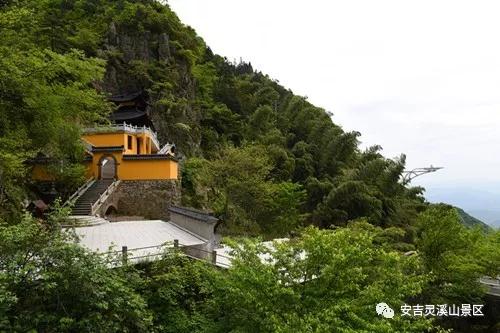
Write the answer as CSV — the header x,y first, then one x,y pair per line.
x,y
121,139
106,139
143,169
41,173
147,169
88,170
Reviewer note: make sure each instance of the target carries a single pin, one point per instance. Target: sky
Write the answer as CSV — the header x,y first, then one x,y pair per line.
x,y
416,77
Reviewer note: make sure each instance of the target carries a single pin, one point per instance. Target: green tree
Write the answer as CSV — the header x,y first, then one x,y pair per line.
x,y
323,281
50,284
455,257
45,98
239,188
179,292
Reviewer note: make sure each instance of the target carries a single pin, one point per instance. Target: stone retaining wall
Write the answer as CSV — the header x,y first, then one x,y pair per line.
x,y
148,198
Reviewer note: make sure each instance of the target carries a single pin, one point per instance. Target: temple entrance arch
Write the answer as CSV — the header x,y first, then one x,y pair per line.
x,y
111,210
107,167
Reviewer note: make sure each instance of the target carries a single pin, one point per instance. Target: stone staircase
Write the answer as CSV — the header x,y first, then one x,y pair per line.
x,y
83,221
83,205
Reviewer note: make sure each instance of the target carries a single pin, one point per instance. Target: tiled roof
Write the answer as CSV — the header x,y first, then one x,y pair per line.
x,y
193,213
149,157
127,114
107,148
125,97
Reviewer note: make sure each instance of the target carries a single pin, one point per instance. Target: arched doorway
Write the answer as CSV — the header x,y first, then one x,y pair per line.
x,y
111,210
107,167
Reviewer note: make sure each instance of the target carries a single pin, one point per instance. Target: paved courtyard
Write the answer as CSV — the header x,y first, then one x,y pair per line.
x,y
135,234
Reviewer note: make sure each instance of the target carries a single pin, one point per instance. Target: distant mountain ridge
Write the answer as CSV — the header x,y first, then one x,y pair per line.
x,y
481,201
491,217
470,221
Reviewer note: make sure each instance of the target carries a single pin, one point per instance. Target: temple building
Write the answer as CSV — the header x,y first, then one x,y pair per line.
x,y
128,152
128,149
128,172
132,109
131,194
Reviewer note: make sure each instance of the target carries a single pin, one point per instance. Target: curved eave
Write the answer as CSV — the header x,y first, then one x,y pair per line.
x,y
194,213
133,157
107,149
120,116
125,97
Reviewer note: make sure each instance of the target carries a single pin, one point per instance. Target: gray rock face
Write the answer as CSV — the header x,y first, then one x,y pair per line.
x,y
145,60
124,49
163,47
112,35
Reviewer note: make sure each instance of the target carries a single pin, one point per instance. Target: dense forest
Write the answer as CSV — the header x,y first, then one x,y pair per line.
x,y
267,162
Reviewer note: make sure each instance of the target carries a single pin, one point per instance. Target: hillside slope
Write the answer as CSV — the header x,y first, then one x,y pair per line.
x,y
262,158
470,221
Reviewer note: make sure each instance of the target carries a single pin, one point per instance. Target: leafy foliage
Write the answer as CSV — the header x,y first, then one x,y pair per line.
x,y
455,258
206,104
49,284
471,221
241,191
321,282
455,263
180,293
45,97
268,162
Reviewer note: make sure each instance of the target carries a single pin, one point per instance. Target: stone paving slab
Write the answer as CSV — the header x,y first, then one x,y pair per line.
x,y
135,234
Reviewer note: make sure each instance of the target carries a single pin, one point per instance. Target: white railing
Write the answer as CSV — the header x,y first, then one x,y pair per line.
x,y
493,285
86,144
129,129
167,149
156,252
82,189
104,196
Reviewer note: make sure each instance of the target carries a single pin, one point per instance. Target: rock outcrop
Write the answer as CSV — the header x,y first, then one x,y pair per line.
x,y
143,60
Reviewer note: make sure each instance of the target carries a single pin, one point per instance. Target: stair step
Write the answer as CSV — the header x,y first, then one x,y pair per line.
x,y
82,205
84,220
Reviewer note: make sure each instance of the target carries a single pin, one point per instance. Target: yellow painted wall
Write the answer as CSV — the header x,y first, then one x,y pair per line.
x,y
121,139
144,144
137,169
126,169
88,170
147,169
40,173
106,139
133,148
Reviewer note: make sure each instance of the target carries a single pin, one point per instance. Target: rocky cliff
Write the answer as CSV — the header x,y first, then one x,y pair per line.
x,y
146,60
